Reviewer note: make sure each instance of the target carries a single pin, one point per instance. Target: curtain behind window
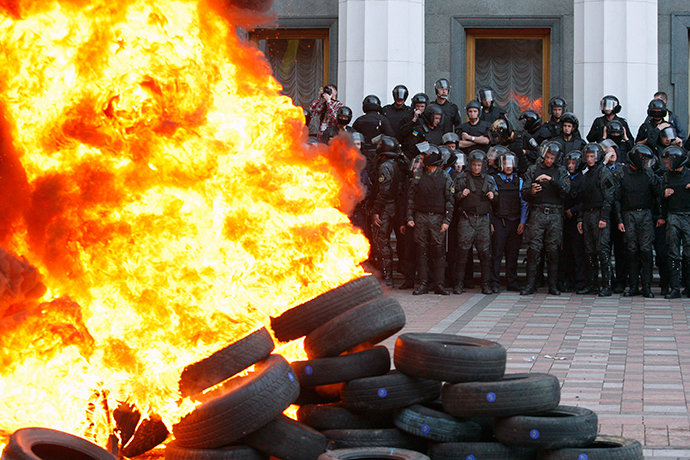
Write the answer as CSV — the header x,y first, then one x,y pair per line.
x,y
513,69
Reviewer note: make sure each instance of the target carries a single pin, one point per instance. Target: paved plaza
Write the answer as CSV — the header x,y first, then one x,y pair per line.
x,y
627,359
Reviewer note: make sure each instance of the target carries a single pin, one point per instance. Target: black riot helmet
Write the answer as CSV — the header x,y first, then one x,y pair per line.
x,y
557,102
640,156
430,111
344,115
668,132
400,92
442,83
420,98
451,138
500,131
486,96
433,157
614,130
552,147
657,109
507,160
674,156
445,154
477,155
473,104
530,120
573,156
371,103
610,104
495,153
387,146
569,117
452,159
595,148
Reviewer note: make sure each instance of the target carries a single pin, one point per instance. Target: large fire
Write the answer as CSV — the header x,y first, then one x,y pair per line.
x,y
154,175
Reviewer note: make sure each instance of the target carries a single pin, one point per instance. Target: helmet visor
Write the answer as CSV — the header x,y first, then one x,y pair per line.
x,y
509,162
462,160
399,93
669,132
486,95
608,104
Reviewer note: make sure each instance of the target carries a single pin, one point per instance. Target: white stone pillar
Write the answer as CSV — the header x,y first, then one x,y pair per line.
x,y
616,52
380,45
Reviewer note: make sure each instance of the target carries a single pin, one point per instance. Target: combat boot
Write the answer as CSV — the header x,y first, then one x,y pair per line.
x,y
387,272
423,270
422,289
633,275
605,261
553,273
439,263
592,275
485,267
674,278
646,267
532,262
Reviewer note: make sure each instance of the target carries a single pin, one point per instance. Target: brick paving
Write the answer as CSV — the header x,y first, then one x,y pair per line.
x,y
627,359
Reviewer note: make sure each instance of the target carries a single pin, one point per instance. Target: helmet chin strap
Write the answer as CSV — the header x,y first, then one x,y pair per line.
x,y
443,96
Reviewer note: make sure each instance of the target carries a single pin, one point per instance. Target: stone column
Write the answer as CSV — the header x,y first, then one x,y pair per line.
x,y
380,45
615,48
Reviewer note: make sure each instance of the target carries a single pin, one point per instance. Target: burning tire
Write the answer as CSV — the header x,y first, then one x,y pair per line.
x,y
387,392
564,426
287,439
449,358
367,324
365,453
479,450
47,444
516,394
324,417
242,405
603,448
435,425
225,363
302,319
238,452
391,437
325,371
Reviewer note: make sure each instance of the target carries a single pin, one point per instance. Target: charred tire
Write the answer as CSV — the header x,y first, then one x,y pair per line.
x,y
302,319
335,417
390,437
47,444
394,390
287,439
564,426
323,394
238,452
516,394
378,453
225,363
449,358
603,448
343,368
437,426
243,405
479,451
368,324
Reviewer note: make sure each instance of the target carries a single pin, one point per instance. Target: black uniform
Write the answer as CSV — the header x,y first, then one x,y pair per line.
x,y
430,204
597,196
637,197
676,211
572,271
548,130
370,125
474,227
492,115
333,131
507,214
480,129
415,132
596,132
386,192
451,116
574,143
395,115
545,222
674,120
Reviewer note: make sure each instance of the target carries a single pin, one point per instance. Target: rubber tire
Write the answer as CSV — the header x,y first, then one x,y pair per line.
x,y
225,363
365,324
564,426
365,453
449,358
435,425
516,394
603,448
323,394
394,390
343,368
236,452
241,405
287,439
324,417
48,444
303,319
388,437
479,451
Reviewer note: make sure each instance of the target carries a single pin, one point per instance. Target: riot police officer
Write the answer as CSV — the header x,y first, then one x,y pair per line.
x,y
572,271
451,116
675,211
638,191
475,190
429,212
474,133
597,194
570,135
530,122
616,132
423,125
490,111
371,124
387,189
610,108
545,184
343,120
552,128
396,111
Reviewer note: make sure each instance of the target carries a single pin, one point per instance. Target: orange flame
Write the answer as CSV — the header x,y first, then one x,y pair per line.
x,y
159,182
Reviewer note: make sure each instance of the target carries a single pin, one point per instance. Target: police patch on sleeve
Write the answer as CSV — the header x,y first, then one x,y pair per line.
x,y
452,189
382,178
